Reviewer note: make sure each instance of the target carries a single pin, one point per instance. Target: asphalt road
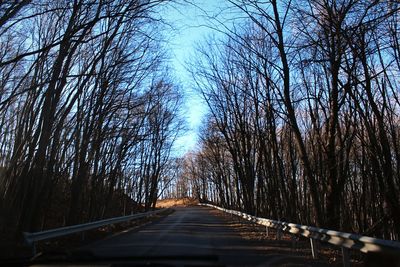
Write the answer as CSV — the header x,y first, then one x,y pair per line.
x,y
199,235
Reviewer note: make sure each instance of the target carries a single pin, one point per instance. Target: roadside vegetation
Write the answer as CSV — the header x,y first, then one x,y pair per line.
x,y
302,126
303,121
88,111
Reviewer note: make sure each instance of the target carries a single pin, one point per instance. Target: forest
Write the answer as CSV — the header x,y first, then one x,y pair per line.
x,y
302,123
88,111
304,115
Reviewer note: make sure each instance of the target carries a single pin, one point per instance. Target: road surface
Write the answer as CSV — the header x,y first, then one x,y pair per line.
x,y
193,234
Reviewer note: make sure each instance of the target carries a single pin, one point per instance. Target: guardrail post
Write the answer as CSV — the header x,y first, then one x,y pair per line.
x,y
278,233
267,231
293,239
314,249
30,243
33,248
346,257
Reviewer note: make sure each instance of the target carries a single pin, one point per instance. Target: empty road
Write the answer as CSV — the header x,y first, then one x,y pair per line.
x,y
192,236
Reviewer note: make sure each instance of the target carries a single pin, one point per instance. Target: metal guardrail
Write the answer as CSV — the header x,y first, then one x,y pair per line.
x,y
31,238
344,240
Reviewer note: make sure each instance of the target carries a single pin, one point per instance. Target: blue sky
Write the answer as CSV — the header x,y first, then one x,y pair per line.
x,y
189,28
